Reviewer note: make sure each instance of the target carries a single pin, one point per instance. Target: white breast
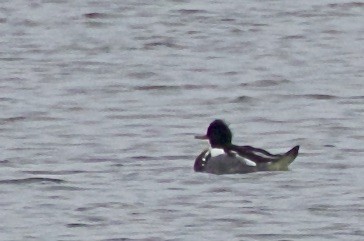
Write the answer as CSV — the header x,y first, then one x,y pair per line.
x,y
216,152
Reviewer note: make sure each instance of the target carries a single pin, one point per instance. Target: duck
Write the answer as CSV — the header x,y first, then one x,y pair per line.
x,y
223,157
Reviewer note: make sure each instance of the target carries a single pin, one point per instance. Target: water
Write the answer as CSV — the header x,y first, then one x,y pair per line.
x,y
100,101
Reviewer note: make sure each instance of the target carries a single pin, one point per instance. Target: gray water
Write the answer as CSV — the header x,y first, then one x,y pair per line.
x,y
100,101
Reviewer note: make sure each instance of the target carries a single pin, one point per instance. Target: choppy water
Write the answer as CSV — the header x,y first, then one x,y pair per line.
x,y
100,101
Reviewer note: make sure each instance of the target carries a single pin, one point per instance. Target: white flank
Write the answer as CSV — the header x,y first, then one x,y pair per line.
x,y
216,152
249,162
245,160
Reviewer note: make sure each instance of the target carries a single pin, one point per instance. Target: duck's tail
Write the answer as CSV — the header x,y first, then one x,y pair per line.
x,y
283,163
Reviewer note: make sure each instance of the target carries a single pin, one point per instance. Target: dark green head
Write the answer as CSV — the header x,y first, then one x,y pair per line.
x,y
218,133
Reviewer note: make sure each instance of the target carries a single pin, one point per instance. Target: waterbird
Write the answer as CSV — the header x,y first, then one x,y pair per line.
x,y
223,157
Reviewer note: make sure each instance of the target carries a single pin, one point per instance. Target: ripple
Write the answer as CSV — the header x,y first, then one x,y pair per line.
x,y
11,119
78,225
174,87
289,37
320,96
31,180
266,83
191,11
142,75
156,87
312,96
244,99
165,43
94,15
62,172
139,239
346,6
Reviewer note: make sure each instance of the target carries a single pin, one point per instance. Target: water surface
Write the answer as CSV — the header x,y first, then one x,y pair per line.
x,y
100,102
